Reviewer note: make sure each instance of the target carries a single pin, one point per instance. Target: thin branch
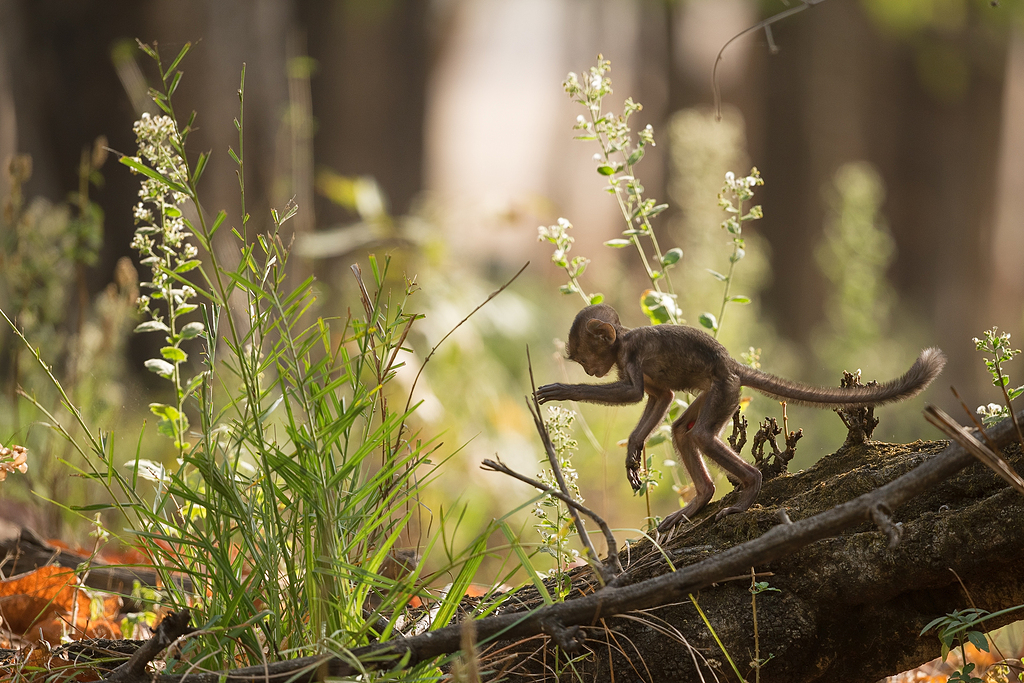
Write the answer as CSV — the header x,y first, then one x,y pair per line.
x,y
170,629
766,25
609,538
991,457
974,418
433,349
606,573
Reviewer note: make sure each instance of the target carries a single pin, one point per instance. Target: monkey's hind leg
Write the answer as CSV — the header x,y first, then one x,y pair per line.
x,y
722,400
686,447
695,432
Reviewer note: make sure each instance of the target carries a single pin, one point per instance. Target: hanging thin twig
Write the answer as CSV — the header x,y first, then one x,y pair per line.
x,y
607,573
773,48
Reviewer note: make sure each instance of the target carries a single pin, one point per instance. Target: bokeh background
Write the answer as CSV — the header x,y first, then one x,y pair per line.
x,y
888,133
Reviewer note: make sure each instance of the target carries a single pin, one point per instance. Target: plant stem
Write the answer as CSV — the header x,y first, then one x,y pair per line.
x,y
1006,396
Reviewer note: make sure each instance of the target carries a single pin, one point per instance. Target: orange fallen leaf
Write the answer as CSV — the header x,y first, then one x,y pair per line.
x,y
40,604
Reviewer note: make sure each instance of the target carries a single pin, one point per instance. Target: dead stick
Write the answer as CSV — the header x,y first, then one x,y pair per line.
x,y
170,629
990,456
604,571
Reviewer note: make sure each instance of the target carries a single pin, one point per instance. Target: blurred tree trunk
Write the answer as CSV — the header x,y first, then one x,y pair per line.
x,y
925,109
369,92
60,95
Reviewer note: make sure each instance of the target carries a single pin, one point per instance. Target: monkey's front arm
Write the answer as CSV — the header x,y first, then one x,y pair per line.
x,y
654,412
629,389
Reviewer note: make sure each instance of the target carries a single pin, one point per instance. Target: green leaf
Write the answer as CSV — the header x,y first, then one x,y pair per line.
x,y
596,299
657,438
94,507
150,173
657,209
193,384
659,307
175,80
739,299
192,330
636,156
605,169
187,266
186,308
173,354
148,51
617,243
672,256
218,221
718,276
181,55
152,326
164,411
200,167
708,320
978,640
160,367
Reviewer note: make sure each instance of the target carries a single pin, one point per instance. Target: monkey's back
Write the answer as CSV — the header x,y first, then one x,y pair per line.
x,y
678,357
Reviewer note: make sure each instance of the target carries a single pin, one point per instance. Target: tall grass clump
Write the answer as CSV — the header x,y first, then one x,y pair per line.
x,y
292,479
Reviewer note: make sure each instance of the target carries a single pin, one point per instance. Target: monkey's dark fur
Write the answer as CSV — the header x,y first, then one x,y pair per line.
x,y
661,359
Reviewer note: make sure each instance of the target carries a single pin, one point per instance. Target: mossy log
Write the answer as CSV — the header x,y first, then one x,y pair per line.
x,y
846,608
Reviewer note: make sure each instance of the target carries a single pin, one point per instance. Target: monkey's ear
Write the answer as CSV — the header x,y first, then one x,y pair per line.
x,y
600,328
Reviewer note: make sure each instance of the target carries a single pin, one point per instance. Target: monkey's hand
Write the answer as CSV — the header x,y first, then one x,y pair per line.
x,y
553,392
634,453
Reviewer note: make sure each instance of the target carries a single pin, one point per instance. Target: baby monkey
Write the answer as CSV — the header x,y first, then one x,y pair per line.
x,y
660,359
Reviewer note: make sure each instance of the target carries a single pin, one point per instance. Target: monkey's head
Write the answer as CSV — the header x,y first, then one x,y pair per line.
x,y
594,339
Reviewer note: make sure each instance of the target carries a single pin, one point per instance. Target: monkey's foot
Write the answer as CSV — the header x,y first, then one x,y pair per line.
x,y
747,497
687,513
670,522
730,511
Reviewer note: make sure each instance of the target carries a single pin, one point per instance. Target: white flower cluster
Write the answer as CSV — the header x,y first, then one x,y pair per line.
x,y
557,235
160,237
740,184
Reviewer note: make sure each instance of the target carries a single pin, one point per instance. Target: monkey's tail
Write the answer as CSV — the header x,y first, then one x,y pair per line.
x,y
924,370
